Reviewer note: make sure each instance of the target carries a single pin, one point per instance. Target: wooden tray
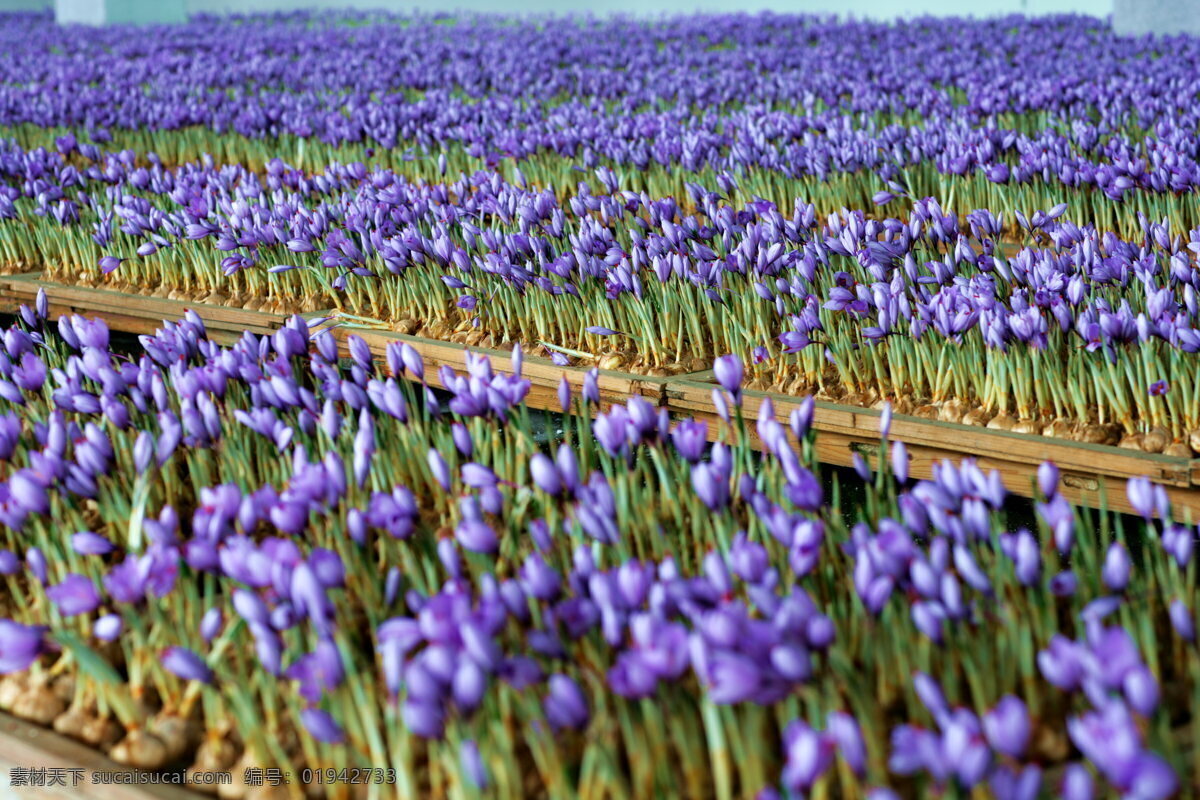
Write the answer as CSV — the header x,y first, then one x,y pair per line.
x,y
24,745
543,374
1092,474
132,313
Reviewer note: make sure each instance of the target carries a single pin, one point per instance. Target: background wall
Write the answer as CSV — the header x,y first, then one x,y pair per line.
x,y
1150,16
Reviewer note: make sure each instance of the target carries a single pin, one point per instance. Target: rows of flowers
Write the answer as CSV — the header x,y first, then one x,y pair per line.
x,y
1001,113
266,556
1072,332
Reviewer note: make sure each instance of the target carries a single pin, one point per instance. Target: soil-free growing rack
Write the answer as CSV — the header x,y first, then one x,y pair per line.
x,y
1092,474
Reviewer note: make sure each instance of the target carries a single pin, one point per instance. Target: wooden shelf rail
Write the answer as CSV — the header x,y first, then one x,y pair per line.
x,y
1092,474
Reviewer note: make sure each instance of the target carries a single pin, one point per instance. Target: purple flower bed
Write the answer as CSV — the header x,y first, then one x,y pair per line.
x,y
268,557
1073,333
259,556
1060,103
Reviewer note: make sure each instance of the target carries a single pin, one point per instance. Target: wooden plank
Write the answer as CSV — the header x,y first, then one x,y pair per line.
x,y
23,744
23,289
1080,488
697,398
1091,473
542,373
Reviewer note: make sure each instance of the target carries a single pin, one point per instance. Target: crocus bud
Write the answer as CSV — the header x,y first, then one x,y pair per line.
x,y
107,628
1116,567
76,594
1007,726
545,474
185,664
1181,620
900,462
729,373
321,726
565,705
210,624
1047,475
564,395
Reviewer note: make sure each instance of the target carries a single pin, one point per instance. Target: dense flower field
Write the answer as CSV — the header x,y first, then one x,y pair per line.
x,y
259,556
997,230
999,114
266,556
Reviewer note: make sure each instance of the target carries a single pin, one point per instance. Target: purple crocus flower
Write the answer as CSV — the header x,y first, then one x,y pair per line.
x,y
1159,388
844,730
1141,496
1064,584
801,417
1141,690
322,726
591,385
749,560
900,462
1181,620
472,764
108,627
710,486
809,756
1007,726
87,543
20,645
478,476
729,373
441,472
210,624
109,264
565,704
1062,662
545,474
1117,567
476,536
143,451
76,594
731,678
28,493
185,664
1077,783
690,438
1007,784
1047,475
882,793
1150,778
425,718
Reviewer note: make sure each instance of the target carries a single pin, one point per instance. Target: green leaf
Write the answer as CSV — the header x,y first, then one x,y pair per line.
x,y
91,662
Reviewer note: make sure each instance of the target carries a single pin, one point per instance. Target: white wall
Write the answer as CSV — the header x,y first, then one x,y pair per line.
x,y
119,12
1156,16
